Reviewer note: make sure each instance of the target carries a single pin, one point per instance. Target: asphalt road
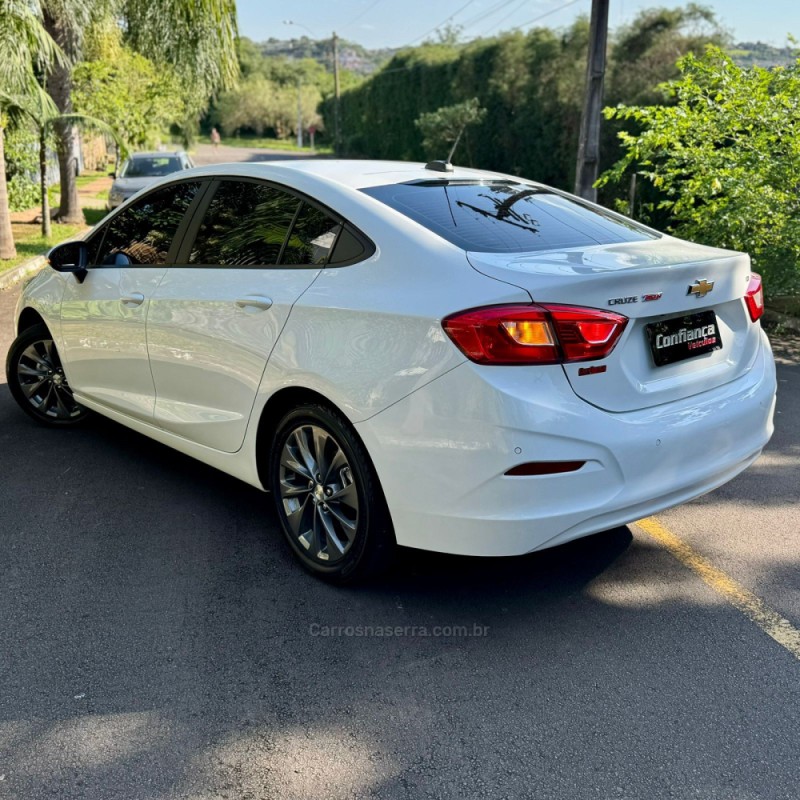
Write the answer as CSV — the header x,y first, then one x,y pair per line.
x,y
157,642
207,154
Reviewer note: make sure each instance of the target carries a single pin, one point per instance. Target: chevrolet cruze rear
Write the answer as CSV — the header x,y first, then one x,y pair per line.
x,y
463,362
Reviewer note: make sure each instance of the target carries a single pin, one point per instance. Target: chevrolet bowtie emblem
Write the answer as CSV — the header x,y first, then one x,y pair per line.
x,y
701,288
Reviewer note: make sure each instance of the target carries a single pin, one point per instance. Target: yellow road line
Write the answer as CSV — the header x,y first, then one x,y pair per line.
x,y
754,608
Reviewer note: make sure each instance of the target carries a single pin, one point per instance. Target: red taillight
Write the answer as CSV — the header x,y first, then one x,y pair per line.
x,y
534,334
754,297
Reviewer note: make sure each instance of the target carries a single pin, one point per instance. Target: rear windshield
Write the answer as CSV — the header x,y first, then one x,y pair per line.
x,y
505,217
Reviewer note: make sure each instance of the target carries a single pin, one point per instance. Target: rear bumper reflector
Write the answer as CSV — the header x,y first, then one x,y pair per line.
x,y
545,468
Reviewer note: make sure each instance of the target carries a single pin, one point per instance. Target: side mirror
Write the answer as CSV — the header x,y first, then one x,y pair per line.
x,y
113,174
70,257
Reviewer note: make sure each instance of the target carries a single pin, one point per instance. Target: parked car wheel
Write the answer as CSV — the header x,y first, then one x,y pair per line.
x,y
37,380
328,498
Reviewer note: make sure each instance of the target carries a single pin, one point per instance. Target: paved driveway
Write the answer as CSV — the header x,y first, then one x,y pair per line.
x,y
158,642
206,154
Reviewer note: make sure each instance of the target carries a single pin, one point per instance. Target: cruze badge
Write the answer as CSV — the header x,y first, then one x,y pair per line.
x,y
623,301
701,288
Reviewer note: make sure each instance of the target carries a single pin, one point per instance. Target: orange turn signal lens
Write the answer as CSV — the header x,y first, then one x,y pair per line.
x,y
531,333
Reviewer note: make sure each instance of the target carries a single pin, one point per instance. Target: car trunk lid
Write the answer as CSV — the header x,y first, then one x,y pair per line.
x,y
664,286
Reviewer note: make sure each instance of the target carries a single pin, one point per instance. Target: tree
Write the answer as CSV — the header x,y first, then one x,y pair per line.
x,y
39,109
195,37
24,46
126,89
645,52
725,159
442,129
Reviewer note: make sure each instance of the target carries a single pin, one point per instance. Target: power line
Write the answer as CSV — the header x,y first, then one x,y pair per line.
x,y
504,18
363,13
443,22
505,2
548,13
482,15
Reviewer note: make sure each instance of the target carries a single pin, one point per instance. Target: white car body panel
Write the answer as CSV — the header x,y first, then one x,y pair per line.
x,y
440,430
103,337
441,455
362,322
209,333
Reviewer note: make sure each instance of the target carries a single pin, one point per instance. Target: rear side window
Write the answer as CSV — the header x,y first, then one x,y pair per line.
x,y
144,231
245,225
505,217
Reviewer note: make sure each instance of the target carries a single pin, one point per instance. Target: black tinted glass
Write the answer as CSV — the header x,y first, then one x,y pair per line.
x,y
245,225
93,246
150,166
505,217
348,248
312,237
144,231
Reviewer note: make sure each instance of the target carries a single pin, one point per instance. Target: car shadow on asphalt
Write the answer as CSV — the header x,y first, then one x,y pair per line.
x,y
563,569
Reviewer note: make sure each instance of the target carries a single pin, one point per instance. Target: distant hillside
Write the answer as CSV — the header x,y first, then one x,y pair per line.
x,y
759,54
352,56
361,61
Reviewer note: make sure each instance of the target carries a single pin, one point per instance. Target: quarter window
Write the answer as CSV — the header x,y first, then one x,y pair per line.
x,y
144,231
312,237
348,248
245,225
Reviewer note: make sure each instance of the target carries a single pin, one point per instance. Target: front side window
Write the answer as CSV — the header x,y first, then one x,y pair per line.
x,y
245,225
499,216
144,231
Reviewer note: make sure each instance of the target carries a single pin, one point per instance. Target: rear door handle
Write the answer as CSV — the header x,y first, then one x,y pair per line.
x,y
132,299
255,301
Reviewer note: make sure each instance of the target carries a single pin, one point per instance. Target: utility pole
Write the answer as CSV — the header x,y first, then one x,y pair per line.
x,y
336,93
299,115
589,142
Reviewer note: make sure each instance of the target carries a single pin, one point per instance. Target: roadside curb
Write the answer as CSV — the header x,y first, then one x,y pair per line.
x,y
776,318
29,267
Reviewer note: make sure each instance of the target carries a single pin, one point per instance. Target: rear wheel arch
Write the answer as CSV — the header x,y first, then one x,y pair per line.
x,y
328,538
276,408
280,404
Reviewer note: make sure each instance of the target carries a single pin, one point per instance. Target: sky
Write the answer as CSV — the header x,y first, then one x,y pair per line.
x,y
396,23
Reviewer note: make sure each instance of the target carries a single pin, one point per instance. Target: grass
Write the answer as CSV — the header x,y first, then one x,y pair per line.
x,y
30,242
264,143
82,181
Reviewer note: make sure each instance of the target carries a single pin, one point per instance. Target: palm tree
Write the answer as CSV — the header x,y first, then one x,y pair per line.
x,y
25,46
39,110
66,21
198,37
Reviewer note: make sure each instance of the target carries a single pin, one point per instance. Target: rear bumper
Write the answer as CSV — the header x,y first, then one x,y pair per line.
x,y
442,452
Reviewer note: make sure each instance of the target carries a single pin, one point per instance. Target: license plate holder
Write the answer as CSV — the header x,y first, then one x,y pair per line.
x,y
678,338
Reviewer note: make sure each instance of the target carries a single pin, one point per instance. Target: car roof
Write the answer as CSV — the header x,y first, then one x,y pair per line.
x,y
358,174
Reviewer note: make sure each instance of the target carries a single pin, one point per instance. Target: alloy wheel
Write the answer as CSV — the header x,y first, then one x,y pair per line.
x,y
319,496
44,384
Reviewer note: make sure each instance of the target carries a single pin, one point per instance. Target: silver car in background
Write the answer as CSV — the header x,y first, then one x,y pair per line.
x,y
142,169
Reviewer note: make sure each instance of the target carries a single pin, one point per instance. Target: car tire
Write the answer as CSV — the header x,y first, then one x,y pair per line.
x,y
328,497
37,381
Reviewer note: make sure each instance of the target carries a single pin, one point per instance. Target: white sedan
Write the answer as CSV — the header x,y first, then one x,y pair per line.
x,y
436,357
